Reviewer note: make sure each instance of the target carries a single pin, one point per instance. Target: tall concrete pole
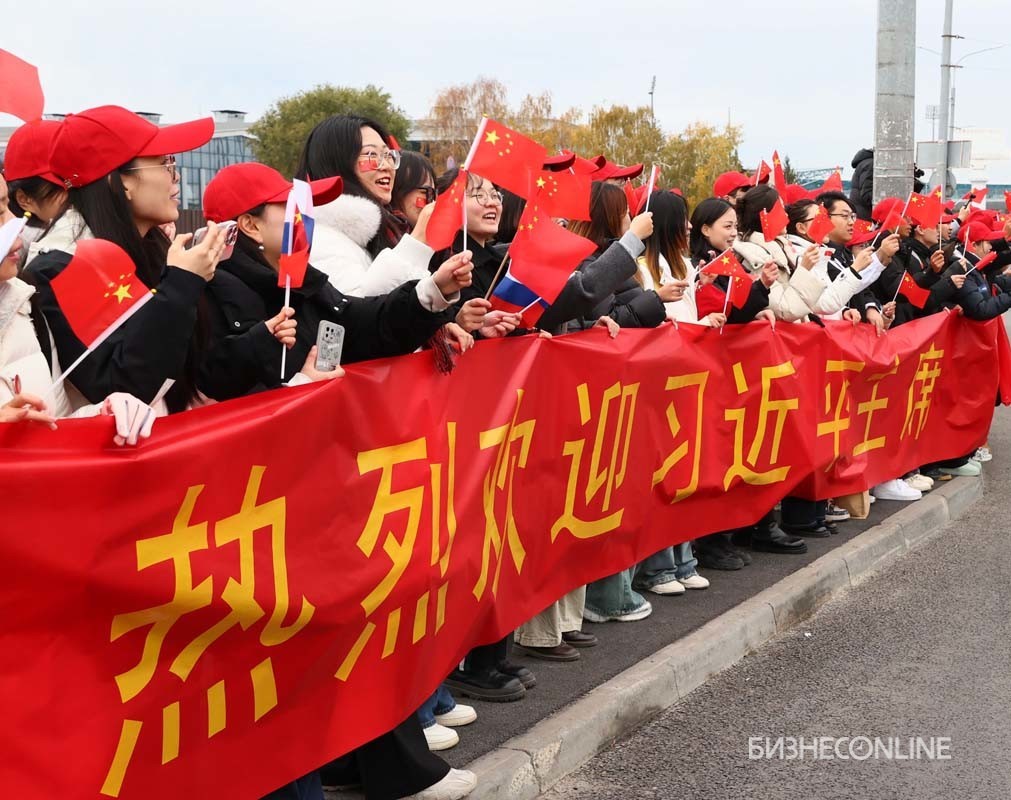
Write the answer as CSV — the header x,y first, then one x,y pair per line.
x,y
941,179
894,110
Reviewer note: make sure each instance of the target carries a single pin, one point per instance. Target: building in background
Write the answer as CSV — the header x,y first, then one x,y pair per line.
x,y
231,144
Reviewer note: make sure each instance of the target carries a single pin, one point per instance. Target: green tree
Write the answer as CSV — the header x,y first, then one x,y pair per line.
x,y
694,158
282,130
788,171
625,135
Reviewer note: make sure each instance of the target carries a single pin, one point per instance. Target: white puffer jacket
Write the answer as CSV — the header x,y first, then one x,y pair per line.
x,y
342,230
20,354
685,309
66,232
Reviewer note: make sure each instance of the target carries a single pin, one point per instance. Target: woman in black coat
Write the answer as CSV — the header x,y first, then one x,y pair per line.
x,y
250,324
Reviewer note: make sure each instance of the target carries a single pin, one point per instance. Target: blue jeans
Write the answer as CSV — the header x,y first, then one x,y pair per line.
x,y
671,563
441,702
613,595
308,787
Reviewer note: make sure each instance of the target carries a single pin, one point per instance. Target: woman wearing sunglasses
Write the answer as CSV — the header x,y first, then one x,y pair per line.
x,y
122,183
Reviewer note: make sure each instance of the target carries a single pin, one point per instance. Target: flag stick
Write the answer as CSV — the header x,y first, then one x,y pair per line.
x,y
896,297
525,310
649,186
905,208
98,342
287,302
491,287
726,302
466,168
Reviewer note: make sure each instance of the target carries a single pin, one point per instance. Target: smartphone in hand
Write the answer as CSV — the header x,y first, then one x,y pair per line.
x,y
329,346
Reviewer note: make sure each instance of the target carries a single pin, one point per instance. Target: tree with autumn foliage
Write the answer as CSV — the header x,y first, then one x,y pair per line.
x,y
456,112
625,135
694,158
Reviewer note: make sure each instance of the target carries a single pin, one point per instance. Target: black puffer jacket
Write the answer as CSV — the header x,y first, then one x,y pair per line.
x,y
862,183
244,356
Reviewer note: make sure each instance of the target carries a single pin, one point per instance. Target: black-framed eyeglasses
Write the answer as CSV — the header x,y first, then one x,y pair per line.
x,y
487,198
850,216
168,164
429,192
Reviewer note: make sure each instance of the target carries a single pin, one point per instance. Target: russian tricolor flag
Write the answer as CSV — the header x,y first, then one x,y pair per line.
x,y
514,297
296,239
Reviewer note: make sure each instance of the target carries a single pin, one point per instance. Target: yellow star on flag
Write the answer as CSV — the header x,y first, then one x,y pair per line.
x,y
726,260
122,293
541,183
491,137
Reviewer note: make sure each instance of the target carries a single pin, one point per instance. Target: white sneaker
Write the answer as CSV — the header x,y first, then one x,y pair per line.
x,y
695,581
983,455
635,615
457,783
871,499
835,514
440,737
896,489
458,716
920,483
669,587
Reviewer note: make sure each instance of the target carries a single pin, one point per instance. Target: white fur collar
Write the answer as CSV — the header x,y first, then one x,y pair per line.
x,y
355,217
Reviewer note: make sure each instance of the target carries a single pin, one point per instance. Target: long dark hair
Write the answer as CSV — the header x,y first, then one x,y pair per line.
x,y
757,199
706,213
797,213
608,206
512,210
332,149
106,211
415,171
670,235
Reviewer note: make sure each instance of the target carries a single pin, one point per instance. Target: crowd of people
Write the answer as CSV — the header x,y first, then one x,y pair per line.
x,y
214,325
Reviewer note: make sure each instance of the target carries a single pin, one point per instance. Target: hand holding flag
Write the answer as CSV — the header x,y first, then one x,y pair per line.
x,y
739,281
909,289
774,221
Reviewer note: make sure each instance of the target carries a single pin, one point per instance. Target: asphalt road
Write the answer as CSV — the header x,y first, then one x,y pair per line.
x,y
622,645
919,650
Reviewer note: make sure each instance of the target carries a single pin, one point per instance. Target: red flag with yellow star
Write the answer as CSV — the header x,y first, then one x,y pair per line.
x,y
564,194
774,222
506,158
925,210
447,216
726,264
833,183
912,291
778,175
98,290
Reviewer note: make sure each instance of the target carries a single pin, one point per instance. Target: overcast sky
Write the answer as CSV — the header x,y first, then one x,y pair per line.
x,y
797,79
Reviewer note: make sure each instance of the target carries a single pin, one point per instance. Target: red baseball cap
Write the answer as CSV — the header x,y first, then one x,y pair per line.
x,y
90,145
885,207
979,232
730,182
27,153
794,192
586,166
560,162
240,187
612,170
863,237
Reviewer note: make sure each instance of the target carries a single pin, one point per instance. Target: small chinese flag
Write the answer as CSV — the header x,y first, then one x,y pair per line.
x,y
447,216
740,282
893,221
976,197
833,183
763,172
543,254
861,226
564,194
820,227
774,222
986,260
1007,200
506,158
20,89
925,210
779,177
909,289
98,290
296,238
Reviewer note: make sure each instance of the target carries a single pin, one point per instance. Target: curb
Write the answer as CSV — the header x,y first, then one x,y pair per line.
x,y
529,764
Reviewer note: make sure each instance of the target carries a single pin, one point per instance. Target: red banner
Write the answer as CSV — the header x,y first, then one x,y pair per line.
x,y
270,582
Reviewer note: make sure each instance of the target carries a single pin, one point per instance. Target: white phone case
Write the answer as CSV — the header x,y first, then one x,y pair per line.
x,y
329,346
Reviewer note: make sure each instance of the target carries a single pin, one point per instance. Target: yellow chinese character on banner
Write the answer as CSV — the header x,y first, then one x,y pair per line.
x,y
839,409
872,406
498,483
618,405
697,380
928,370
745,466
425,613
176,548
